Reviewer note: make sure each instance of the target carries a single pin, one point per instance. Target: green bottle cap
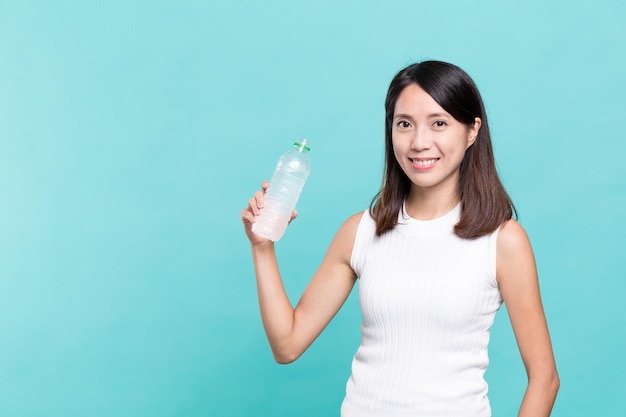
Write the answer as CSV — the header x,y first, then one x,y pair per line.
x,y
303,144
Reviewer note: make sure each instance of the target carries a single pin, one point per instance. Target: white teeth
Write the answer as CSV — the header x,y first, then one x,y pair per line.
x,y
424,162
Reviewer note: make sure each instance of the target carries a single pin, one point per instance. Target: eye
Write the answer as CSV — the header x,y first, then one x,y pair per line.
x,y
403,124
439,123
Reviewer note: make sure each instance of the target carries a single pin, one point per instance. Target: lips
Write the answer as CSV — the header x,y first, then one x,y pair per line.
x,y
423,163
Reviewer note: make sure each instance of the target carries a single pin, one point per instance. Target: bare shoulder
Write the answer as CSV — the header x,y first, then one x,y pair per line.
x,y
514,251
342,244
347,231
352,223
512,236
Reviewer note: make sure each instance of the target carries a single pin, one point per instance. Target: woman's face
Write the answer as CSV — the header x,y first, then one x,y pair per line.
x,y
428,143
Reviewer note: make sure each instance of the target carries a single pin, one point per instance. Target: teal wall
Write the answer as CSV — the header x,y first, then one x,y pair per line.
x,y
133,132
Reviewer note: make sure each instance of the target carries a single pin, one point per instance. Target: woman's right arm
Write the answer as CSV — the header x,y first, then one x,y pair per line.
x,y
290,331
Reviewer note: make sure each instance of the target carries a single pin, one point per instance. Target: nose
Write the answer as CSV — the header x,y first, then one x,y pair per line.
x,y
420,141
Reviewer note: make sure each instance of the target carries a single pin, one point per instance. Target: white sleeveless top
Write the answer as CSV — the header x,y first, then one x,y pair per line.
x,y
428,299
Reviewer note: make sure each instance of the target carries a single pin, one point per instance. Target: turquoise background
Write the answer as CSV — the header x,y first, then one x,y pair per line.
x,y
133,132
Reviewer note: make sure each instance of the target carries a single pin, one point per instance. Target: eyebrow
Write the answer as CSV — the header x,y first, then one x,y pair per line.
x,y
430,116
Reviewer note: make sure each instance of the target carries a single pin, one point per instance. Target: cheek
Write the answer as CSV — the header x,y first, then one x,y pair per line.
x,y
397,150
398,142
458,143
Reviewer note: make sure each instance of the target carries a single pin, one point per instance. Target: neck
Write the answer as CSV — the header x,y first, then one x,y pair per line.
x,y
424,204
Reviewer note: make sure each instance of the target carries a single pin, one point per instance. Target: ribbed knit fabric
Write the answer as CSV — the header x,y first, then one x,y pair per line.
x,y
428,299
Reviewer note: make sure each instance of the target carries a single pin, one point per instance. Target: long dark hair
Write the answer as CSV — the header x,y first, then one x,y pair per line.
x,y
485,205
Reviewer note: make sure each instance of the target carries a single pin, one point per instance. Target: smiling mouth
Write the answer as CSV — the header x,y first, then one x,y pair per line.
x,y
424,163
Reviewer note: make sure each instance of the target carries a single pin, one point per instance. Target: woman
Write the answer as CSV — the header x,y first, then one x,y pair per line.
x,y
437,254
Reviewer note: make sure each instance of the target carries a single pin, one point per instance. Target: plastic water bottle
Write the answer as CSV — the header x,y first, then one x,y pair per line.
x,y
282,195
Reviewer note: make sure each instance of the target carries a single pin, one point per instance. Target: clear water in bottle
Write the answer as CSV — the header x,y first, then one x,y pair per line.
x,y
282,195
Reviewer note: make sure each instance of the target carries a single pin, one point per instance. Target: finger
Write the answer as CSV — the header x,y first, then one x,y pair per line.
x,y
247,216
294,214
253,206
265,185
258,198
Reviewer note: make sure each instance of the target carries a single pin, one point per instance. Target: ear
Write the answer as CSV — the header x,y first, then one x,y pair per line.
x,y
472,134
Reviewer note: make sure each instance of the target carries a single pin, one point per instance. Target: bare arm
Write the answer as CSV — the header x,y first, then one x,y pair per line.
x,y
290,331
517,277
